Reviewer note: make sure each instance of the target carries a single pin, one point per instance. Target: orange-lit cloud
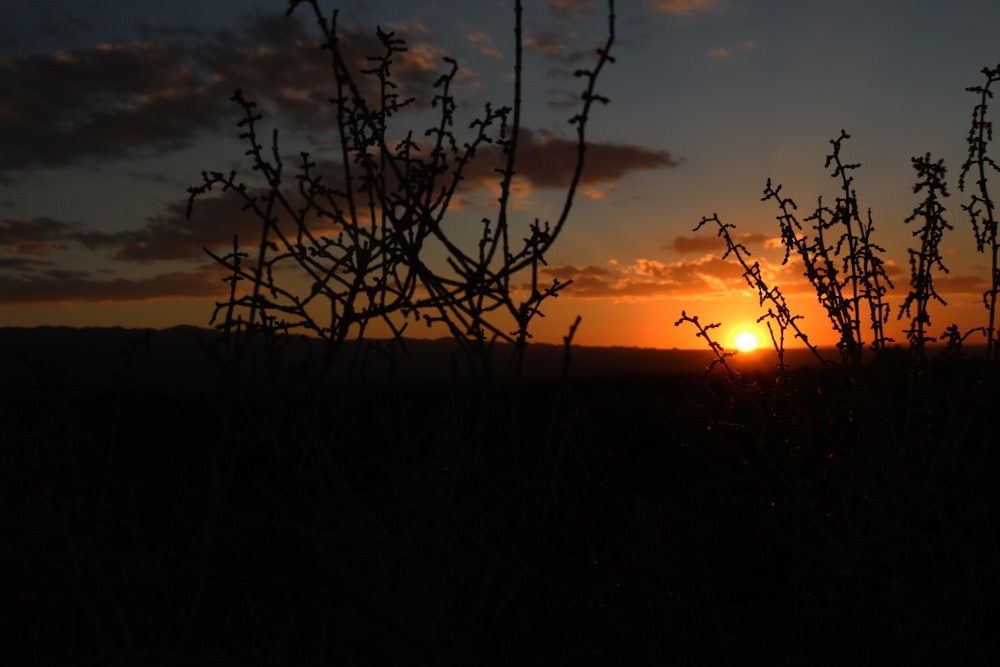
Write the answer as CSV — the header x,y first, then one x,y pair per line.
x,y
485,44
570,6
696,244
729,51
684,7
645,278
548,43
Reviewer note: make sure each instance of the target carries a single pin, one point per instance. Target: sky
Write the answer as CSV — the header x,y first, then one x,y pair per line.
x,y
111,110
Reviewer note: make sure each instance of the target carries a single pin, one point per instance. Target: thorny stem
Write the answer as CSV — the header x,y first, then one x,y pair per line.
x,y
864,276
981,206
385,205
928,257
703,332
778,311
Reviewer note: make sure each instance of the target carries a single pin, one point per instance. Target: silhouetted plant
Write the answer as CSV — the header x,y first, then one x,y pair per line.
x,y
335,258
717,349
981,207
954,337
846,273
778,315
923,261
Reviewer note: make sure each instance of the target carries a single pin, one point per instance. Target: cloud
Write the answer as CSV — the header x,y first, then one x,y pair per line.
x,y
703,244
22,264
43,235
719,52
55,285
171,235
546,43
29,246
159,94
593,194
696,244
684,7
555,43
485,44
544,161
646,279
111,101
570,6
215,219
707,277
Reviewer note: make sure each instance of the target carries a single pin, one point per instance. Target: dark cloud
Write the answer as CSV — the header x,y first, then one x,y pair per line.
x,y
22,263
162,93
696,244
113,101
167,236
714,244
758,239
171,235
215,219
14,232
43,235
544,161
65,286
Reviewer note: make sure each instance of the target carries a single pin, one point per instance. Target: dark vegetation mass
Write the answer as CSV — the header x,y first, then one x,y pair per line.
x,y
251,496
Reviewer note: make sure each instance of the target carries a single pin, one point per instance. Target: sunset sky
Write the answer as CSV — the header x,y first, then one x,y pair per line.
x,y
110,110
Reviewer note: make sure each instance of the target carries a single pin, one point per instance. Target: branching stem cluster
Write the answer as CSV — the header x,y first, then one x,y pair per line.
x,y
847,273
371,245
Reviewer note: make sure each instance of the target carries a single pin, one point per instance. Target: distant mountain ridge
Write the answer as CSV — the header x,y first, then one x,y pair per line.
x,y
97,360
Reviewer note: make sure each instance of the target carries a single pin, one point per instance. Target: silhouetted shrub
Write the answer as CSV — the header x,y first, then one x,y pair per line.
x,y
372,245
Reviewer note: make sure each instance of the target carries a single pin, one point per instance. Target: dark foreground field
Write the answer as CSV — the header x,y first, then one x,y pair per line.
x,y
155,513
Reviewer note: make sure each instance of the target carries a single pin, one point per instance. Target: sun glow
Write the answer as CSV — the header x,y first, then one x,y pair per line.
x,y
746,341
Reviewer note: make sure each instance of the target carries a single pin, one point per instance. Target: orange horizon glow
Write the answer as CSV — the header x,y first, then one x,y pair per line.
x,y
605,323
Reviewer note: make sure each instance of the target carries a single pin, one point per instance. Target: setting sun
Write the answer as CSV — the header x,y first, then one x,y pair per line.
x,y
746,342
